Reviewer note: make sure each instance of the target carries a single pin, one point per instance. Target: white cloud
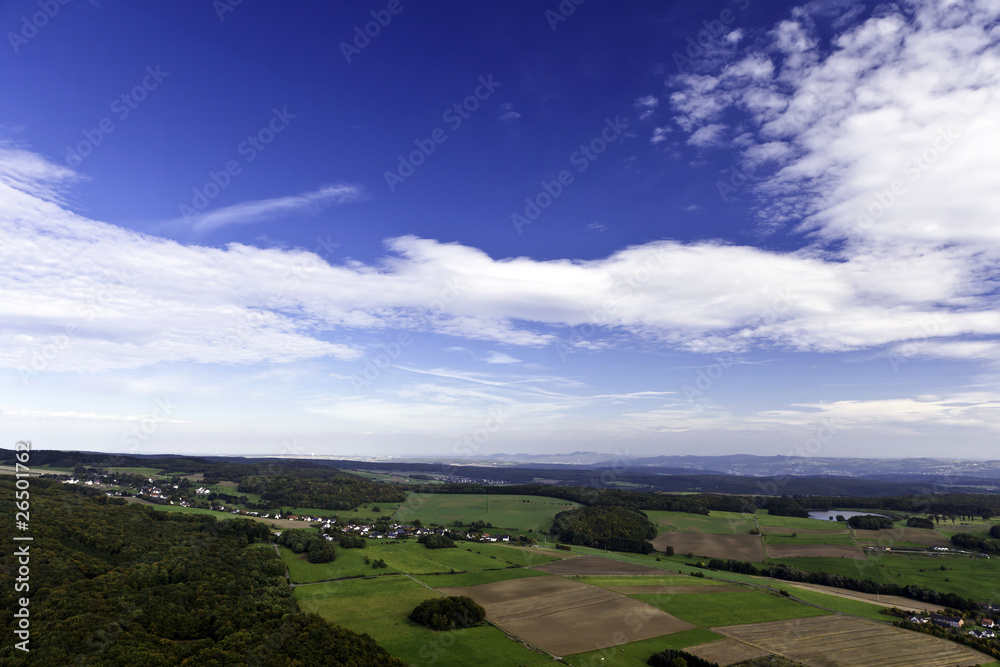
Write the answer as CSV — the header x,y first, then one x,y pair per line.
x,y
659,135
707,135
501,358
28,172
250,212
646,106
507,113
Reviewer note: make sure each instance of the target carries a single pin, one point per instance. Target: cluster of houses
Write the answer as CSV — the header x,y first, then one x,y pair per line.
x,y
940,620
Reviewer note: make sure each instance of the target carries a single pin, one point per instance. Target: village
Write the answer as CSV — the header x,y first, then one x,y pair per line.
x,y
165,493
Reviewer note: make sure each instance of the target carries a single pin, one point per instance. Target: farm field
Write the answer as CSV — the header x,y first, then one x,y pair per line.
x,y
741,547
635,654
727,651
403,556
842,641
564,616
890,537
765,519
651,580
788,530
976,526
716,523
710,610
393,477
966,576
476,578
594,565
380,608
512,513
830,538
815,551
868,605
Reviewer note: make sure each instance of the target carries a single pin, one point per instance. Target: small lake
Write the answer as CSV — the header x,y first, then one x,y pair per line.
x,y
833,514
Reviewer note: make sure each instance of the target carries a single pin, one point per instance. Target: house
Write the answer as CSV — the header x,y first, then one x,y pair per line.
x,y
987,623
918,619
947,621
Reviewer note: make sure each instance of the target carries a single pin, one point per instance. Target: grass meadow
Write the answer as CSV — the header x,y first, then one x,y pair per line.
x,y
512,513
380,608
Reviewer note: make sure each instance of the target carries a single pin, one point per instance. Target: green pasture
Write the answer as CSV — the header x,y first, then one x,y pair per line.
x,y
976,578
380,607
477,578
837,603
720,609
517,514
716,523
832,539
406,556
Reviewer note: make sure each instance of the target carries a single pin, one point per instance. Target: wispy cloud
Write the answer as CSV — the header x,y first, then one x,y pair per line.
x,y
31,173
507,113
250,212
646,106
501,358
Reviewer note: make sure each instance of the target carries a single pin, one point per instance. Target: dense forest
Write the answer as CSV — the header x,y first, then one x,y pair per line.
x,y
329,490
605,527
116,584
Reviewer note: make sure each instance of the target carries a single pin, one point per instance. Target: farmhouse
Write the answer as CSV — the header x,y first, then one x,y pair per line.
x,y
947,621
987,623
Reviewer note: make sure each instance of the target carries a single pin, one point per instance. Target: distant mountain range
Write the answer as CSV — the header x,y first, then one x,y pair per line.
x,y
746,465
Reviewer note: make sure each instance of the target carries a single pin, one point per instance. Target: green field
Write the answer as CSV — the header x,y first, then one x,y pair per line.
x,y
477,578
407,556
765,519
969,577
716,523
720,609
625,580
48,468
145,472
845,605
841,539
513,513
637,653
392,477
380,608
976,526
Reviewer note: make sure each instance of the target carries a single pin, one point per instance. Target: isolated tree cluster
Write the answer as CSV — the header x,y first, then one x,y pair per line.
x,y
448,613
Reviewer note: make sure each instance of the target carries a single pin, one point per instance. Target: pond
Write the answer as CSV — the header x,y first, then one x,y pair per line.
x,y
833,514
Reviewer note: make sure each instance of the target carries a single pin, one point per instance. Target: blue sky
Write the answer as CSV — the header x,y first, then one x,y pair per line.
x,y
403,228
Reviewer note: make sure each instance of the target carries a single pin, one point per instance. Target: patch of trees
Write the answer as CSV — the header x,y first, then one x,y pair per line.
x,y
995,532
353,542
436,541
869,522
448,613
673,657
116,584
976,543
613,528
316,548
331,492
919,522
786,573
